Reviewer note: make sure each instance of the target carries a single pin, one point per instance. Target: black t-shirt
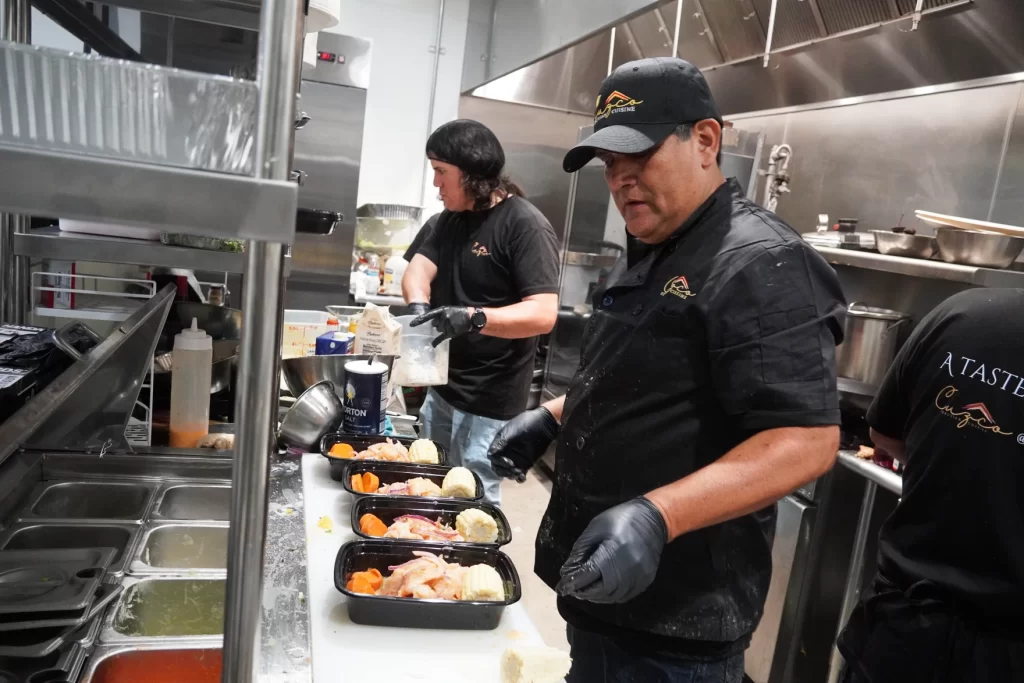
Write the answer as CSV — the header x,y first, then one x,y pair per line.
x,y
422,235
491,259
727,329
955,395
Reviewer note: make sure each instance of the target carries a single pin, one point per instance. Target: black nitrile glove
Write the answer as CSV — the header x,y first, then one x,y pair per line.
x,y
450,321
521,442
617,556
418,308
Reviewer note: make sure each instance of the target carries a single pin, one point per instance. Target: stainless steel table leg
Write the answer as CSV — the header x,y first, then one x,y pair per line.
x,y
851,591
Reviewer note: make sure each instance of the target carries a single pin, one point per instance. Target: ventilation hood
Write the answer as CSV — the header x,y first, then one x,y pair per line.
x,y
820,49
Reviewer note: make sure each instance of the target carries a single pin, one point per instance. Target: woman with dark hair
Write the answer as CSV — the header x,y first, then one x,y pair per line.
x,y
486,277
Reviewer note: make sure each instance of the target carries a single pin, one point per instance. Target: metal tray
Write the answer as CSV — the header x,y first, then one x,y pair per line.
x,y
117,617
375,610
62,665
51,580
54,535
115,501
188,502
387,508
104,595
192,548
391,472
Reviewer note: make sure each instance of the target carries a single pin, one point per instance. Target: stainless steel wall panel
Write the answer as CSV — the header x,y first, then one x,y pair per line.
x,y
879,160
535,140
646,35
696,44
907,6
1009,199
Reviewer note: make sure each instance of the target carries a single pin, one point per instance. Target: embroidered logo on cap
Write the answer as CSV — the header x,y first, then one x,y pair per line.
x,y
678,286
616,103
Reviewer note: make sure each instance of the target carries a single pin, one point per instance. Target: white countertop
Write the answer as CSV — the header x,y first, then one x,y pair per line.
x,y
344,652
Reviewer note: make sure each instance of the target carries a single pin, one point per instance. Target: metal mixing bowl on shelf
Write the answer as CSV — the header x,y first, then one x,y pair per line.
x,y
302,373
219,322
977,248
905,244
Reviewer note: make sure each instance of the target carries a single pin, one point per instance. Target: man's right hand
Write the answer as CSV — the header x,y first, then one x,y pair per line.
x,y
521,442
417,309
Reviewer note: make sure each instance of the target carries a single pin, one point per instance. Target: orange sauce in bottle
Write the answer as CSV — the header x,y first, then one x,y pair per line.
x,y
186,438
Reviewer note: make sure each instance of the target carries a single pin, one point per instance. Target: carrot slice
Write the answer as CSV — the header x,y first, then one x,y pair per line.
x,y
342,450
371,525
357,483
360,584
371,482
375,578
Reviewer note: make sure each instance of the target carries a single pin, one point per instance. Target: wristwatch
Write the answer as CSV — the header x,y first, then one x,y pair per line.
x,y
478,319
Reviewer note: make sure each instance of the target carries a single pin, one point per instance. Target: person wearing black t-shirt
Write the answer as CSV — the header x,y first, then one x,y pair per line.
x,y
486,277
948,601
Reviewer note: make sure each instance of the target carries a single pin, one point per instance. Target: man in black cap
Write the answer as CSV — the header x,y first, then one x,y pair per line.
x,y
706,391
487,272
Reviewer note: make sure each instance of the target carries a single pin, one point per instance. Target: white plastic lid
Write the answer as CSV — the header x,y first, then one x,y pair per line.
x,y
193,339
361,367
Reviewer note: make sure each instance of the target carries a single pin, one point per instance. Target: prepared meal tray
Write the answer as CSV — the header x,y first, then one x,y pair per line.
x,y
434,520
372,478
425,585
342,449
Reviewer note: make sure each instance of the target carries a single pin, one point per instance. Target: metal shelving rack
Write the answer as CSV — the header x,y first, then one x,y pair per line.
x,y
932,270
259,208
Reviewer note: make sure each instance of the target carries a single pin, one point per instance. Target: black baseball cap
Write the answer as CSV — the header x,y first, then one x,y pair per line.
x,y
640,104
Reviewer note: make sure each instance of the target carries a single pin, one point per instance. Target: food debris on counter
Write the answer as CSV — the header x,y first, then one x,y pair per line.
x,y
534,665
326,524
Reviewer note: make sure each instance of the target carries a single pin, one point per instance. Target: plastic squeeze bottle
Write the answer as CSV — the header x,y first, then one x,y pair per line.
x,y
192,364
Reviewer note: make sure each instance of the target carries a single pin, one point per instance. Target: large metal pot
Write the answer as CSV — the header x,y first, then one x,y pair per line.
x,y
870,344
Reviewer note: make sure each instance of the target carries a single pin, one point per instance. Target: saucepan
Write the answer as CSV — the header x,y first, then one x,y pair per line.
x,y
870,343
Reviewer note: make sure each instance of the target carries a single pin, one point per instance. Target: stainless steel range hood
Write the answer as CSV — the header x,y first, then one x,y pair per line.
x,y
821,49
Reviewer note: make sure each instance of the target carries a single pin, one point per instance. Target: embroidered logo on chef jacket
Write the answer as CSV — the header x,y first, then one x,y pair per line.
x,y
480,249
678,286
616,103
973,415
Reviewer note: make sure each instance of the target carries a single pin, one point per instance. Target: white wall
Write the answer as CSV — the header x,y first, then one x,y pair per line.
x,y
401,65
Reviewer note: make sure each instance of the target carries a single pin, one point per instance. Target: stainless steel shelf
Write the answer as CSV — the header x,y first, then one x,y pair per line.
x,y
51,243
934,270
42,183
239,13
887,479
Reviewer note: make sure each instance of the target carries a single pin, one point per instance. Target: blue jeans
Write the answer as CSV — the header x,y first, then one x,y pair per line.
x,y
467,438
598,659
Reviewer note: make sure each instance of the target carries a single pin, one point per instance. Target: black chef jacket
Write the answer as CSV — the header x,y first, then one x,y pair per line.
x,y
726,329
949,595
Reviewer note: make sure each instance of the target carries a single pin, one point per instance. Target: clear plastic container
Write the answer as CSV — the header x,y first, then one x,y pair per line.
x,y
192,364
419,363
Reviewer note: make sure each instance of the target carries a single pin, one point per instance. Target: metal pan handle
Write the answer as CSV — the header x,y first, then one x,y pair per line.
x,y
62,342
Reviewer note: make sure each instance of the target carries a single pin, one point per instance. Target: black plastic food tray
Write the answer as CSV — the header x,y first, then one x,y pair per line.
x,y
374,610
360,442
392,472
387,508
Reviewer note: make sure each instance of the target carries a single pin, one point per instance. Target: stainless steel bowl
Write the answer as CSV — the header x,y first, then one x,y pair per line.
x,y
901,244
302,373
316,412
976,248
217,321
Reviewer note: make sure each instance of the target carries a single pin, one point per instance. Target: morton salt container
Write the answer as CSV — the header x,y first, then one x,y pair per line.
x,y
366,397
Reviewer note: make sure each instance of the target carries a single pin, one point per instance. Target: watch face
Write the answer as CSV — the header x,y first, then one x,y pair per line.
x,y
479,320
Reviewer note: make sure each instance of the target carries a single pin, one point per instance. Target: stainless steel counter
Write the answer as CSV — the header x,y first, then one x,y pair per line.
x,y
165,476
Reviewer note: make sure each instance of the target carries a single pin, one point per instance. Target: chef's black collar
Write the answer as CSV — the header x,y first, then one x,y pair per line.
x,y
640,257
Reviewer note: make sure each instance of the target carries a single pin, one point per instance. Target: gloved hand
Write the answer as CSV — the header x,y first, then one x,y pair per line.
x,y
521,442
418,308
617,556
450,321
